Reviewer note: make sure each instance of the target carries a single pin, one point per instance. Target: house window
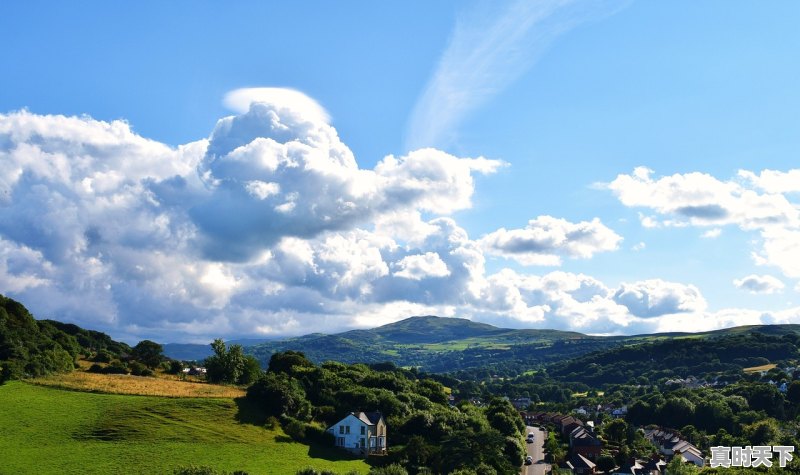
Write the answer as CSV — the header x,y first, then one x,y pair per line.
x,y
362,430
346,429
363,443
341,429
340,441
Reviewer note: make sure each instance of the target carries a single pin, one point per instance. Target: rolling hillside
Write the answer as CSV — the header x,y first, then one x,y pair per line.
x,y
49,431
439,344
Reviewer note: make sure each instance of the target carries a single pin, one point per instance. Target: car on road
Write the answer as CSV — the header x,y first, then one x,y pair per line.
x,y
528,460
530,438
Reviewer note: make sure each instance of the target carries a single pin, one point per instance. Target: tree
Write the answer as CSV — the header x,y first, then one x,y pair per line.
x,y
225,365
763,432
284,362
280,395
606,463
251,371
148,353
678,467
793,393
616,429
677,412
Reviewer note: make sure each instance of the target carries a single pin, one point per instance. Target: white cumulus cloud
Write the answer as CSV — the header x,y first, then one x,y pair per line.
x,y
758,203
759,284
421,266
655,297
546,239
270,226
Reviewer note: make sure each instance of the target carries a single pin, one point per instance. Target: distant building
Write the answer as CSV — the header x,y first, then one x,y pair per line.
x,y
584,442
669,443
361,433
521,402
581,465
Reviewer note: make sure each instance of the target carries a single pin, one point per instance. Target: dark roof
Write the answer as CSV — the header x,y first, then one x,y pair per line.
x,y
579,461
655,464
370,418
586,441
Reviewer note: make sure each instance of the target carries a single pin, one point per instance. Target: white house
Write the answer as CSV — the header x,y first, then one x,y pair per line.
x,y
362,433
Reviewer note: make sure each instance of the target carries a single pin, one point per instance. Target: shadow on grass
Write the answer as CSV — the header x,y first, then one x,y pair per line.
x,y
284,439
330,453
249,412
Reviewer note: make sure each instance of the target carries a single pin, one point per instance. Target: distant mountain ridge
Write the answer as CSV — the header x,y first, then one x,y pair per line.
x,y
444,344
436,344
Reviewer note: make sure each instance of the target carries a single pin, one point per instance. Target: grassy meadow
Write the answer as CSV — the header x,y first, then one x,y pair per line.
x,y
50,430
135,385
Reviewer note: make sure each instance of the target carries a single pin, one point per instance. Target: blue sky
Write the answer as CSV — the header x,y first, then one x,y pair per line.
x,y
518,191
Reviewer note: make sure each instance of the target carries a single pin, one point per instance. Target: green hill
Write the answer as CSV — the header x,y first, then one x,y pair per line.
x,y
437,344
440,344
52,431
722,353
30,347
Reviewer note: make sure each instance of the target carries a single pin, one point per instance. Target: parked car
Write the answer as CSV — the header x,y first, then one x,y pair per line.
x,y
528,460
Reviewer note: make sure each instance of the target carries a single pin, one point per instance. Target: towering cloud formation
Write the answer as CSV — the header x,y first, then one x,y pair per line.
x,y
270,226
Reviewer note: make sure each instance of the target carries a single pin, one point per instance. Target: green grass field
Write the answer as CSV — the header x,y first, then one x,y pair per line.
x,y
47,430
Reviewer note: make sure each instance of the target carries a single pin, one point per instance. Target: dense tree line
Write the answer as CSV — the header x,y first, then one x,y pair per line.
x,y
33,348
506,361
425,432
674,358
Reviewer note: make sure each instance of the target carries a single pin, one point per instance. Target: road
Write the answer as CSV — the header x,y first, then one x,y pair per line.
x,y
536,450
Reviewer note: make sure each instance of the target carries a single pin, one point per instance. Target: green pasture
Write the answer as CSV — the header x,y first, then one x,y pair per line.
x,y
47,430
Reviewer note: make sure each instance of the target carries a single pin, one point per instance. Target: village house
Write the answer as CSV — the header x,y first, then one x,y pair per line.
x,y
581,465
521,403
582,441
654,466
670,444
362,433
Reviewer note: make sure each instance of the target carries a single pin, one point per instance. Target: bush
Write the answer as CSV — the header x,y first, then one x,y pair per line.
x,y
96,368
196,470
116,367
294,429
203,470
393,469
318,435
138,369
174,367
271,423
103,356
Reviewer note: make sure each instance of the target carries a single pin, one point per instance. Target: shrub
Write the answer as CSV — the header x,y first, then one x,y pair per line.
x,y
173,367
317,434
393,469
103,356
294,429
271,423
116,367
203,470
196,470
96,368
139,369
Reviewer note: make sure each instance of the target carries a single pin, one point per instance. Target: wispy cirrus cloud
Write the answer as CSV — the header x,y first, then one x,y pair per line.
x,y
489,48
